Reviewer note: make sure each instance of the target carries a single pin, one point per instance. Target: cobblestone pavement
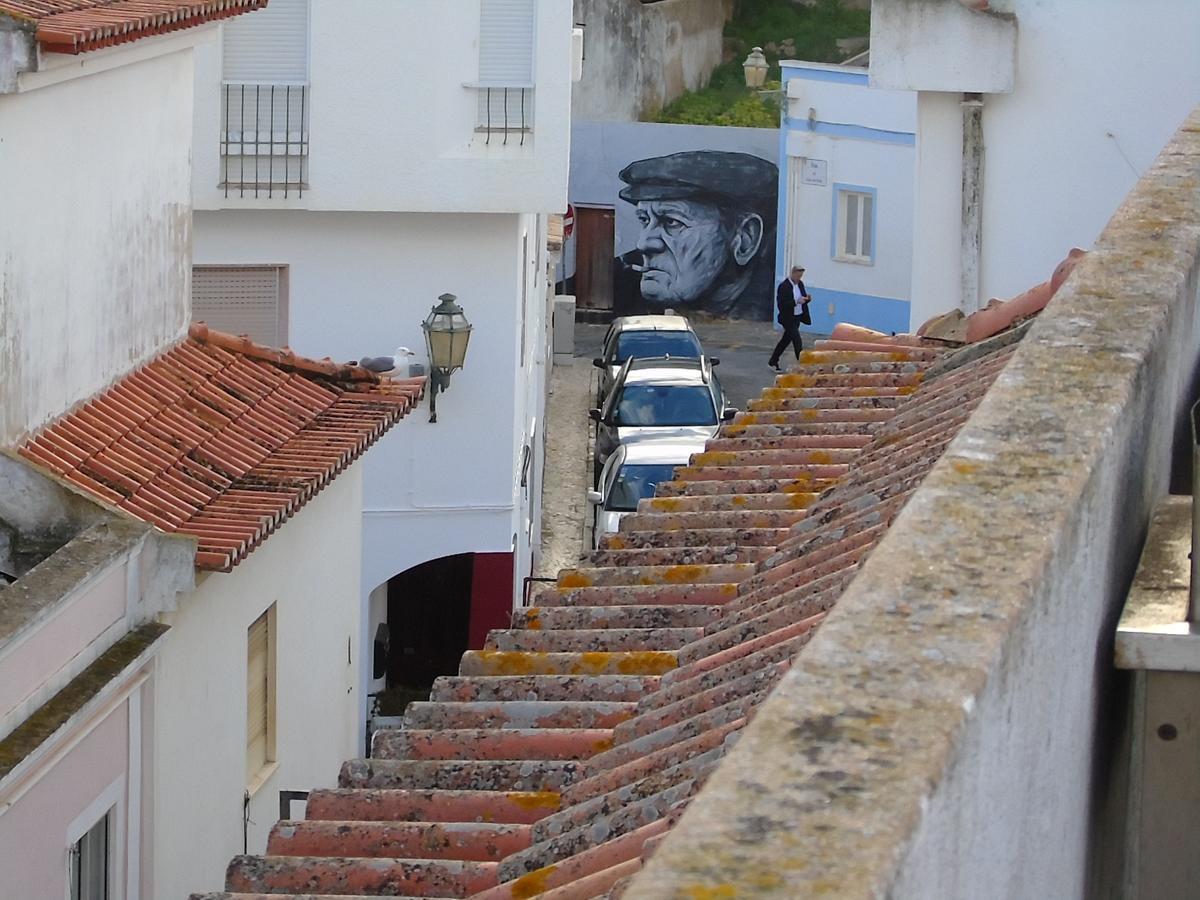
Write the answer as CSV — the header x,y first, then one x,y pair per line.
x,y
743,348
564,501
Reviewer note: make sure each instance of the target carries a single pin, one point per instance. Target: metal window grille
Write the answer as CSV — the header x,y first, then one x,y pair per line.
x,y
264,139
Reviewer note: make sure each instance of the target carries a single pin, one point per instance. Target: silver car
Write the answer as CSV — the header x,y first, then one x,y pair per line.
x,y
659,398
643,336
631,474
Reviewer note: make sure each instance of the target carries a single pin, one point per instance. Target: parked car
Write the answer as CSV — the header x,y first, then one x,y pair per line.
x,y
659,398
633,472
643,336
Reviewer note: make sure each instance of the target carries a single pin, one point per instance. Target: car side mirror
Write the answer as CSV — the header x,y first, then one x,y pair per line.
x,y
728,415
714,360
595,497
598,363
594,415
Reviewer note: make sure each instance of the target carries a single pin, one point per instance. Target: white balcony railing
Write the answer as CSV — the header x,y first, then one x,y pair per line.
x,y
264,138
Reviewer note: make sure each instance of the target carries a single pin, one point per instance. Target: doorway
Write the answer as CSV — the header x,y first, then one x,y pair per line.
x,y
594,244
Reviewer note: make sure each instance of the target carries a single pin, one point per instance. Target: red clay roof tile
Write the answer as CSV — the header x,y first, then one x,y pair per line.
x,y
76,26
221,438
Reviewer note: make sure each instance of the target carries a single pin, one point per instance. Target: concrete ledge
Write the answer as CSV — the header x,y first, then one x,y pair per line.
x,y
951,730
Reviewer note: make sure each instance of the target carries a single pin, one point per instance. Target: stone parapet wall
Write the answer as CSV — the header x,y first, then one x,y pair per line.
x,y
638,57
955,728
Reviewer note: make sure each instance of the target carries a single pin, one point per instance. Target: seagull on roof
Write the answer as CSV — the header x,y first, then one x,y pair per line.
x,y
394,366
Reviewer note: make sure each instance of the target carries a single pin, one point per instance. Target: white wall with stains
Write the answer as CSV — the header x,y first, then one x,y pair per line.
x,y
393,114
95,229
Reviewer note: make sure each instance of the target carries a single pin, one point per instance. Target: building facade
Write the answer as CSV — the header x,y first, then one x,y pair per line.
x,y
155,674
1105,84
847,156
354,161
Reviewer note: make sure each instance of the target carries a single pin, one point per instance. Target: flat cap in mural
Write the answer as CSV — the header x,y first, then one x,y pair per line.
x,y
714,174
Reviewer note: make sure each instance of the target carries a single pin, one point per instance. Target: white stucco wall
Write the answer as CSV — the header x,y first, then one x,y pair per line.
x,y
360,285
1099,89
309,570
94,229
392,123
865,137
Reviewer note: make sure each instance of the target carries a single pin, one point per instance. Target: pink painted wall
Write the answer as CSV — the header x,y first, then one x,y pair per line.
x,y
33,832
37,657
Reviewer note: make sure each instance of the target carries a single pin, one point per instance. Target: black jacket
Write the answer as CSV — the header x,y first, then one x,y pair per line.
x,y
785,303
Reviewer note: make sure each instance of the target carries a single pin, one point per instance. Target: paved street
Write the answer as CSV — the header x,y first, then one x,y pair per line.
x,y
742,347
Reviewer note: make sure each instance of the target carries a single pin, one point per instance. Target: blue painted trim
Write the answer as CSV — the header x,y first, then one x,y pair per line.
x,y
847,77
854,132
781,216
886,314
838,188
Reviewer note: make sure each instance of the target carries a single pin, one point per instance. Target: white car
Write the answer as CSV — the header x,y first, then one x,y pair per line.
x,y
632,472
643,336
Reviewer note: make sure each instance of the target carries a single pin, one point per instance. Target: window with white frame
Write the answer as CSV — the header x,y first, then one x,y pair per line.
x,y
265,101
89,859
260,699
854,224
505,86
250,300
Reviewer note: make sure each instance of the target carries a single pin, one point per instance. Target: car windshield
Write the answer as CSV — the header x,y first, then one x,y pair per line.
x,y
635,482
664,405
680,344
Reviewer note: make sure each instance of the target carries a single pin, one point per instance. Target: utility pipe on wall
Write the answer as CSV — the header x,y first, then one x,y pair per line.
x,y
972,200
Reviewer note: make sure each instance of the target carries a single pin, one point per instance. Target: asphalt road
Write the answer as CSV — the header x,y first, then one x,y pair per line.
x,y
742,347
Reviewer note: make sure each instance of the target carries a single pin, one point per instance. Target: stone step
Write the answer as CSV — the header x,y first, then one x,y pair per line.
x,y
398,805
609,688
486,743
518,714
780,652
788,442
471,841
810,412
755,425
699,537
829,409
725,502
805,483
779,457
681,710
307,875
574,872
680,753
680,556
749,518
502,662
638,595
461,775
591,639
624,819
809,477
645,575
647,616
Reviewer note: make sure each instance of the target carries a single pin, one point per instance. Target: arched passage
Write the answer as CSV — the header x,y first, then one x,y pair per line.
x,y
435,611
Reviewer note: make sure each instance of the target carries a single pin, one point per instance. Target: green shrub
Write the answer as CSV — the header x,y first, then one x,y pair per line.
x,y
726,100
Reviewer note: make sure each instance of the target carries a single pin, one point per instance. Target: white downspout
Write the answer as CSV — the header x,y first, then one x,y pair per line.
x,y
972,200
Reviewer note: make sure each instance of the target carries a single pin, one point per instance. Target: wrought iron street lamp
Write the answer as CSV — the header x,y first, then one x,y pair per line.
x,y
447,332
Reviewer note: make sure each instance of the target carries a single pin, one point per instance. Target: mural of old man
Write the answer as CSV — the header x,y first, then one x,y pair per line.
x,y
706,238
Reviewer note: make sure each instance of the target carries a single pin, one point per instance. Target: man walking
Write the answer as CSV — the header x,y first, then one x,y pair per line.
x,y
791,299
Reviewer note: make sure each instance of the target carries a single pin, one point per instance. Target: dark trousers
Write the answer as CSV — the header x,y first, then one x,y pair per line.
x,y
791,335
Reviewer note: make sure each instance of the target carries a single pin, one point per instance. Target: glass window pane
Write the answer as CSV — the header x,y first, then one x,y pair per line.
x,y
851,248
635,482
654,405
868,212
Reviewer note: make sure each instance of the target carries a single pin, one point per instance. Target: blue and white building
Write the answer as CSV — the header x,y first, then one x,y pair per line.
x,y
847,163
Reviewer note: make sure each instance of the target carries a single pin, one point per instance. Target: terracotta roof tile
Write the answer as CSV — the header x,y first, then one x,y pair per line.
x,y
76,26
221,439
618,692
